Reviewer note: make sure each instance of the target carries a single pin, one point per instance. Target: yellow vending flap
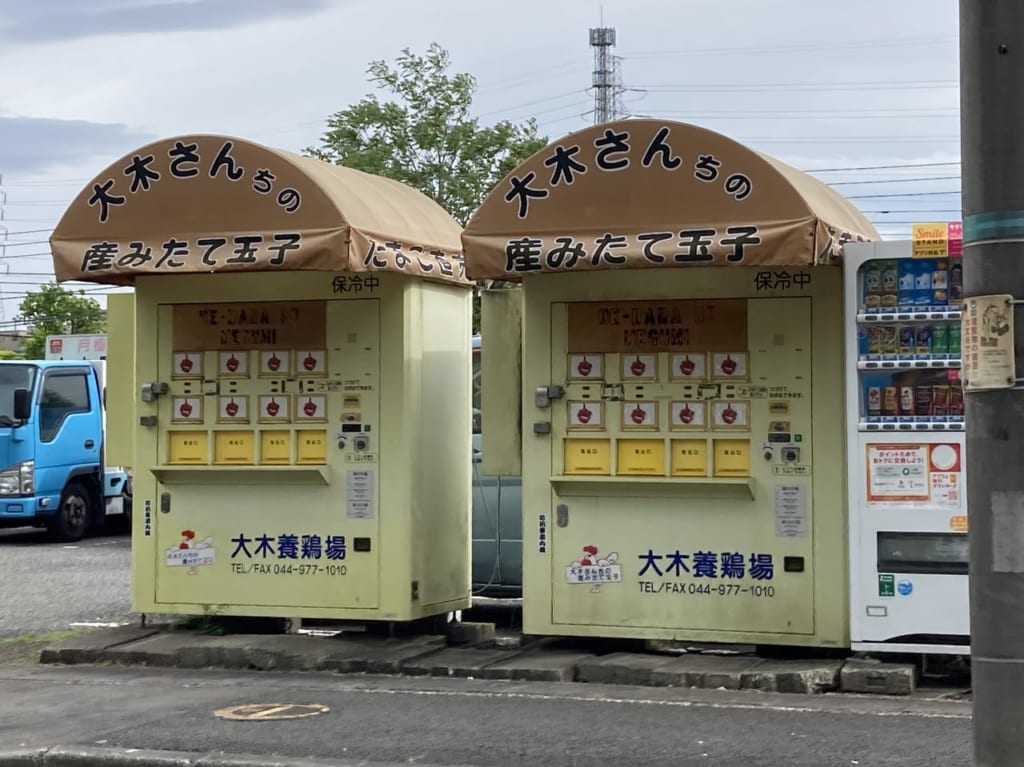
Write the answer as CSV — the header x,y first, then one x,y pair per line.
x,y
188,447
312,446
276,448
588,456
689,458
641,457
234,448
732,457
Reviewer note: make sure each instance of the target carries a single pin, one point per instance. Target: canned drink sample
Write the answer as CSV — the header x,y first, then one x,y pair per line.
x,y
862,341
923,400
956,401
907,404
907,341
890,339
956,282
954,338
940,338
905,290
872,285
890,401
874,339
940,283
890,284
923,339
874,400
923,282
940,401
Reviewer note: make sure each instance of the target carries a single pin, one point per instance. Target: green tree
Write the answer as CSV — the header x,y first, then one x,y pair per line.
x,y
52,310
424,135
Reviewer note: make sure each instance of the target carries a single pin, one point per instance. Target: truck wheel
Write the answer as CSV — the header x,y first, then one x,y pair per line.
x,y
74,514
126,518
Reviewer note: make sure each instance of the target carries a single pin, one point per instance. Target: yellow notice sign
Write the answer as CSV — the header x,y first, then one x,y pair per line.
x,y
732,458
276,447
689,458
930,240
233,447
188,447
641,457
588,456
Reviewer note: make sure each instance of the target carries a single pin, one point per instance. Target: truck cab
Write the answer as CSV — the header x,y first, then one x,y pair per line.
x,y
51,449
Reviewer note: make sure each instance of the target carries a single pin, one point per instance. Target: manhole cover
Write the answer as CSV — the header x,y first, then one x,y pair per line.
x,y
265,712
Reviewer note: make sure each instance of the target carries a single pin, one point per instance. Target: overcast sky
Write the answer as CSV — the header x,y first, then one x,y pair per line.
x,y
823,85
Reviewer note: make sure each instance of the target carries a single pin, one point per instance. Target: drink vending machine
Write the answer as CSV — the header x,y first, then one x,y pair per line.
x,y
906,442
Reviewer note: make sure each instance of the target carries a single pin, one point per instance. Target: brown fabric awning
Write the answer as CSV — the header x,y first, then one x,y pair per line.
x,y
199,204
655,193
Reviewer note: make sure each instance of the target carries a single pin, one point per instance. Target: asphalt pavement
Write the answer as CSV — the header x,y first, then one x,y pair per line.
x,y
46,586
472,722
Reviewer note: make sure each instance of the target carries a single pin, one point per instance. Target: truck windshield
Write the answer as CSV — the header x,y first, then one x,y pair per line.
x,y
13,377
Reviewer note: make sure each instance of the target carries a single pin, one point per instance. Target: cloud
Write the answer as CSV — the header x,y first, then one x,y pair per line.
x,y
44,21
34,144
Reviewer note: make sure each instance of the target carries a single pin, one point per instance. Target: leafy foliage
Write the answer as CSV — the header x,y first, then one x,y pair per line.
x,y
426,137
53,310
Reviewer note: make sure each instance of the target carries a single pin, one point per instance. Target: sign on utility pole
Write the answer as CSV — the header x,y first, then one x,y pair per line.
x,y
992,124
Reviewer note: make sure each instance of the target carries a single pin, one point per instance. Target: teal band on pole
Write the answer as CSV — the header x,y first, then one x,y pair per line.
x,y
996,225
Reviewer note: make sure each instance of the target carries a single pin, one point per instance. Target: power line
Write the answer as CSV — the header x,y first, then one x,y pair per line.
x,y
828,87
883,167
850,139
531,103
30,231
889,211
894,180
811,115
26,255
731,52
900,194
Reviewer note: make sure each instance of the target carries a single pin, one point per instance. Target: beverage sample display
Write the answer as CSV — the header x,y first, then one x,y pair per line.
x,y
908,344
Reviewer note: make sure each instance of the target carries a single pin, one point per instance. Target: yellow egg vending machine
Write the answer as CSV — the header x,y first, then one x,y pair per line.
x,y
681,407
301,396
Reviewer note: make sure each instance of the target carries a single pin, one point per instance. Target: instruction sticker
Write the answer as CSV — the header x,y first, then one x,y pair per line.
x,y
790,511
360,494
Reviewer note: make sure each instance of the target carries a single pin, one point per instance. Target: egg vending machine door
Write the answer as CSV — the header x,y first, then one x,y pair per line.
x,y
681,469
267,460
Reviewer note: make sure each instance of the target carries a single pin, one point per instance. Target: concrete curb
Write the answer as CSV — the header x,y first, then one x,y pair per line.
x,y
433,656
75,756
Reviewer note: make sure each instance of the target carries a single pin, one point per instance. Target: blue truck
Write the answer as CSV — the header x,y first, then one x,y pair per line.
x,y
52,426
497,517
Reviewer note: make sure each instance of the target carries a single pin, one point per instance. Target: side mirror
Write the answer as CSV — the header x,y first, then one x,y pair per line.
x,y
22,405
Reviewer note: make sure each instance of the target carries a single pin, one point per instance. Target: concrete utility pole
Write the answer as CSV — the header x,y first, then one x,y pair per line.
x,y
992,136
